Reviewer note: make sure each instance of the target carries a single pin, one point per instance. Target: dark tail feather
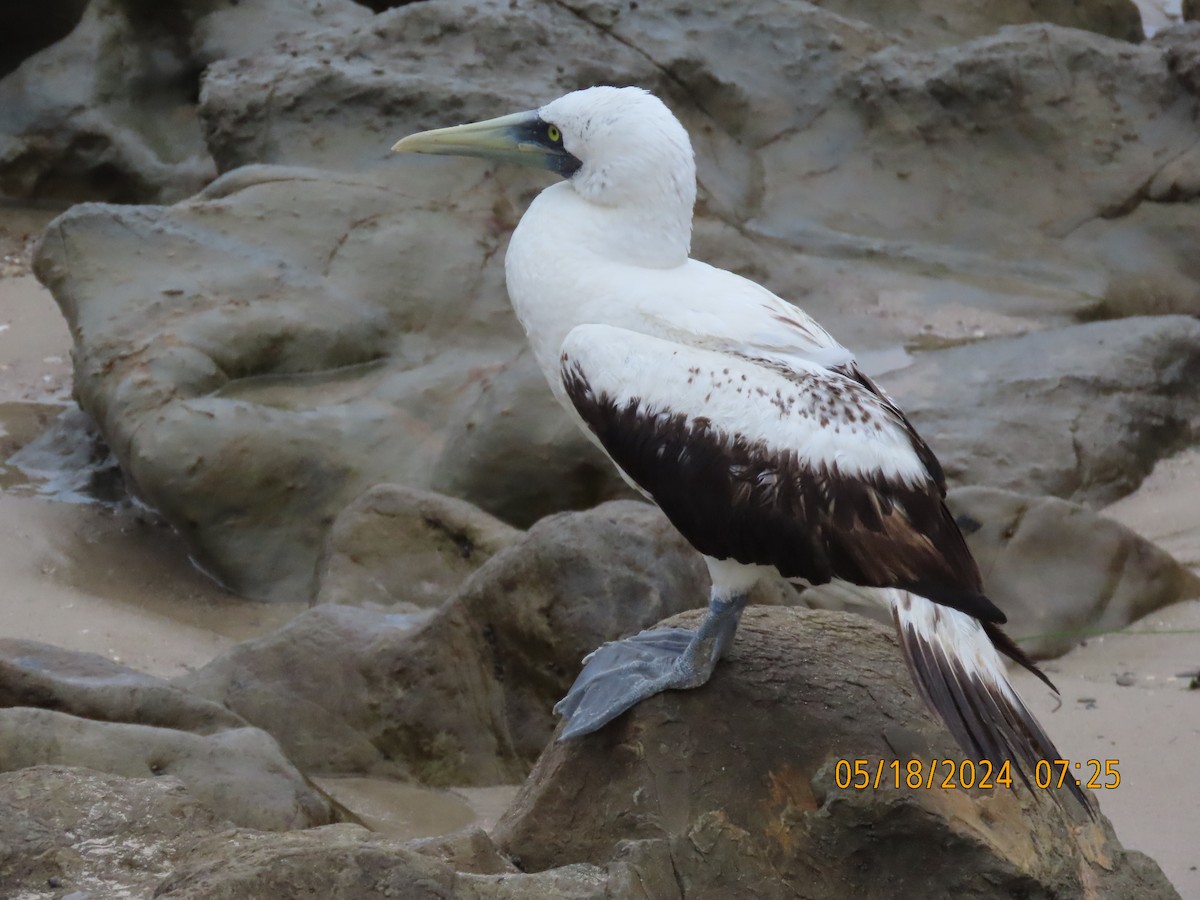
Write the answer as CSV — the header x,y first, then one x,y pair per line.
x,y
959,673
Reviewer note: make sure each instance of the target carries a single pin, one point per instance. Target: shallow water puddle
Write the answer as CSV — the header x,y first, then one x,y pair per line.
x,y
406,811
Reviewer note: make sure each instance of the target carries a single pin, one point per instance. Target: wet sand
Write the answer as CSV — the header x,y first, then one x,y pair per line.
x,y
117,582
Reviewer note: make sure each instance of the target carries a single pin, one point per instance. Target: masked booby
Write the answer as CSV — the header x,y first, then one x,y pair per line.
x,y
752,428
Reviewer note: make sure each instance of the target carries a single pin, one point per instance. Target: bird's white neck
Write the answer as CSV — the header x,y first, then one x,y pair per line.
x,y
566,249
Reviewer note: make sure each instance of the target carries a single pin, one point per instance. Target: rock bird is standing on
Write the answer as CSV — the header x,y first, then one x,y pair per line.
x,y
740,416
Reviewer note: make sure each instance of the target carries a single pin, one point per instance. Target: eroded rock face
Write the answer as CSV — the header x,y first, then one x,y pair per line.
x,y
1082,413
109,111
400,547
277,379
731,788
463,696
240,774
67,829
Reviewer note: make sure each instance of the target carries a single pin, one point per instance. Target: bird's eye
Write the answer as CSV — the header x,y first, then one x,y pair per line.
x,y
553,133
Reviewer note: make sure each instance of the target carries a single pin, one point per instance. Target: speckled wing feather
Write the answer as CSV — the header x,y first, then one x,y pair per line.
x,y
797,466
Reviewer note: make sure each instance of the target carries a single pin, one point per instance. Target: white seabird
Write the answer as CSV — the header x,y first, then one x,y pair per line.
x,y
740,416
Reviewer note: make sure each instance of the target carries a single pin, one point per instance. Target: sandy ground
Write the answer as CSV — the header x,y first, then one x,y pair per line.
x,y
117,582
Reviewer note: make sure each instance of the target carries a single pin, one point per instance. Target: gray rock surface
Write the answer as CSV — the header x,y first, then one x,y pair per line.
x,y
731,790
276,379
1082,413
78,834
71,831
400,547
347,863
109,111
93,687
1061,572
240,774
465,695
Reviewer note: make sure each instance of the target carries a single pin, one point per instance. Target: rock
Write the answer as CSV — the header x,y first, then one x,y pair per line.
x,y
1061,572
465,696
74,833
240,774
731,790
92,687
948,22
396,546
347,863
1081,413
109,111
67,830
277,382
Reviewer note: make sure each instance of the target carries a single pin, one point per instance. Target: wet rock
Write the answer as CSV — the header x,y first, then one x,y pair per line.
x,y
1082,413
347,863
109,111
67,830
464,696
1061,572
279,374
731,789
397,546
239,774
76,833
90,686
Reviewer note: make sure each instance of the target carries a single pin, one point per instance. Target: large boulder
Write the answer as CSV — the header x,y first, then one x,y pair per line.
x,y
462,696
1082,412
733,789
279,375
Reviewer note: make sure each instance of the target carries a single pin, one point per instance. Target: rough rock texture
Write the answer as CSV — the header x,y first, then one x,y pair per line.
x,y
936,22
1062,572
465,695
1082,413
396,546
109,112
92,687
275,379
75,834
916,192
731,790
1058,570
240,774
66,830
347,863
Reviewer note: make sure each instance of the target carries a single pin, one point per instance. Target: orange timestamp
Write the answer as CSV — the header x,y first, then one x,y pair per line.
x,y
951,774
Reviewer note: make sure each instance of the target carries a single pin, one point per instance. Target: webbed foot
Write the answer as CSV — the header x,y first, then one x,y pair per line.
x,y
619,675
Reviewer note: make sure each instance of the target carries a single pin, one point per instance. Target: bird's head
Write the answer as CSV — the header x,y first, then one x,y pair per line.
x,y
615,146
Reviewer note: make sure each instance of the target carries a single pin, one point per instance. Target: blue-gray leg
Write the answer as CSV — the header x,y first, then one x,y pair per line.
x,y
619,675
